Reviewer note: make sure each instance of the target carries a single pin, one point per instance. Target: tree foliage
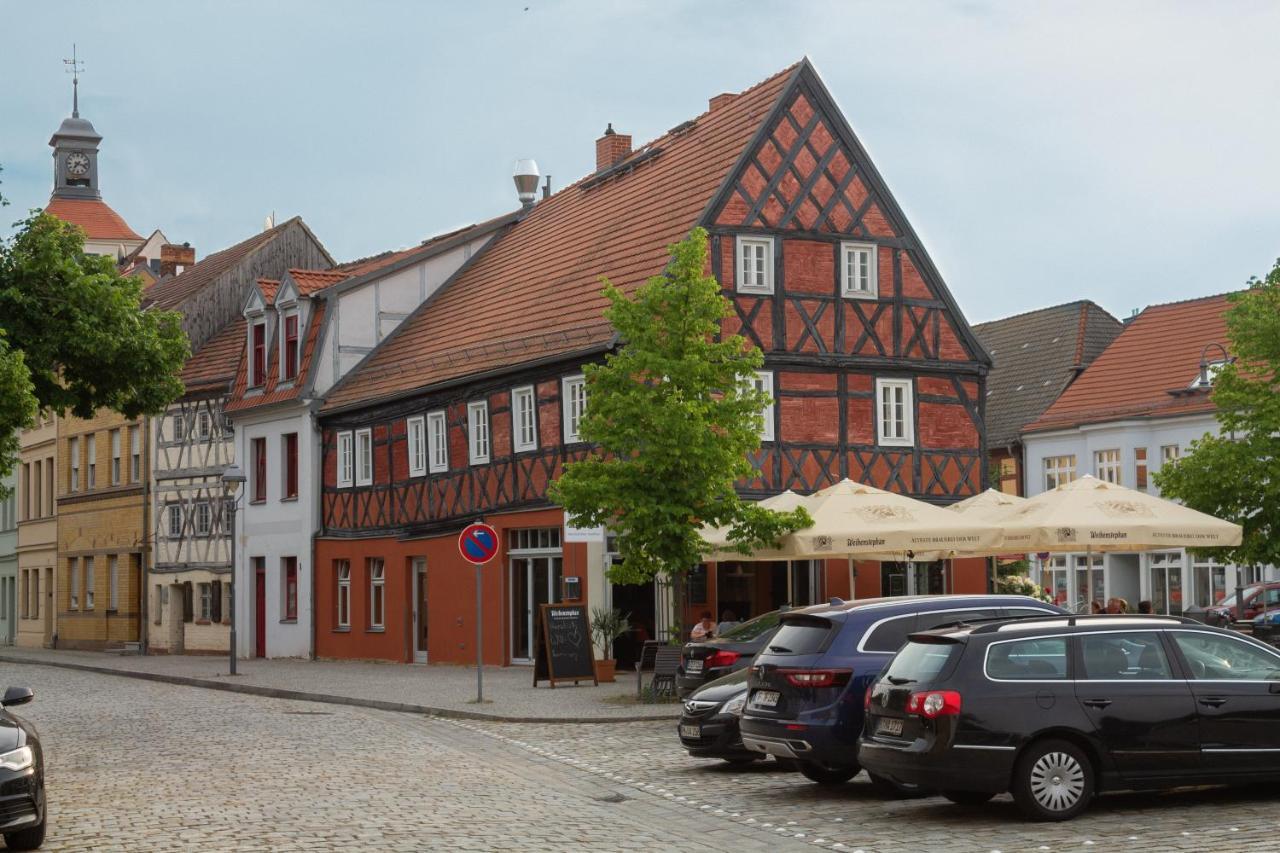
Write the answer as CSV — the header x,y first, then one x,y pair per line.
x,y
671,416
73,335
1235,475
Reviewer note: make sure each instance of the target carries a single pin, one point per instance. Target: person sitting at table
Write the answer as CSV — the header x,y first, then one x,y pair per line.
x,y
728,619
705,629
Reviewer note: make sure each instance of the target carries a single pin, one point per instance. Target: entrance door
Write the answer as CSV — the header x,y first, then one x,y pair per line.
x,y
260,616
534,581
1166,583
419,610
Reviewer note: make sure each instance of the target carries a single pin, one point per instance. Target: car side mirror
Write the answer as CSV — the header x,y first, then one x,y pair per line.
x,y
16,696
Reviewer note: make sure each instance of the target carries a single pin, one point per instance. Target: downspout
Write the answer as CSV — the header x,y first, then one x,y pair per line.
x,y
145,557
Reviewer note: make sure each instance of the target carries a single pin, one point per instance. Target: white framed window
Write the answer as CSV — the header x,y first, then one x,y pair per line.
x,y
175,520
115,457
1106,465
92,466
204,426
89,583
73,450
478,432
416,438
135,454
574,394
343,598
1059,470
755,264
437,442
204,519
73,566
763,382
113,582
364,457
524,419
206,602
346,464
377,590
858,262
1169,453
895,424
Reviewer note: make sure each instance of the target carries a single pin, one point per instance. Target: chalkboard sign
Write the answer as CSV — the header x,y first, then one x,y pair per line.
x,y
564,651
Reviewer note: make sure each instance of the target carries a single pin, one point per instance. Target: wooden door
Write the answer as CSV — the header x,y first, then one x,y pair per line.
x,y
260,616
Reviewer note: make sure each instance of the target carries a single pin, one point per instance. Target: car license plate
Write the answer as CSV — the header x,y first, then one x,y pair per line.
x,y
889,726
693,667
765,698
694,732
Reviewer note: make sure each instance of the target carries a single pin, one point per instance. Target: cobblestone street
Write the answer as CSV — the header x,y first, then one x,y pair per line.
x,y
135,765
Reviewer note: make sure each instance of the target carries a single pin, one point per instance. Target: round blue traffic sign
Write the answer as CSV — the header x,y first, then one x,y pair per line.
x,y
478,543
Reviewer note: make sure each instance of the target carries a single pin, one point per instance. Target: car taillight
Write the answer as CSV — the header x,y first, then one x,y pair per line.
x,y
866,700
934,703
816,677
721,658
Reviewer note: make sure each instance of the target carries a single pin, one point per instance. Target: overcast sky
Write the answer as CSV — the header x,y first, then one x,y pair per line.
x,y
1123,152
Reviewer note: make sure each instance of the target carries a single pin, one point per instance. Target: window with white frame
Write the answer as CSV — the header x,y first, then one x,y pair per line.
x,y
1169,453
92,464
113,582
204,519
115,457
574,394
175,520
755,264
206,602
346,462
377,591
89,583
437,442
1059,470
894,422
73,572
204,426
858,270
343,598
416,439
524,419
364,457
135,454
73,450
1106,465
763,382
478,432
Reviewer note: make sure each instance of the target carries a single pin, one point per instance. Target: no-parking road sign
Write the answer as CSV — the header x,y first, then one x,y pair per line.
x,y
478,543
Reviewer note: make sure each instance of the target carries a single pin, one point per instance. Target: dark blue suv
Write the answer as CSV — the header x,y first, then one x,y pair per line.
x,y
808,684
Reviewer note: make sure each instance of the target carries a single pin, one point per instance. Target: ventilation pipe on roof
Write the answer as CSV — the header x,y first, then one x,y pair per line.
x,y
526,176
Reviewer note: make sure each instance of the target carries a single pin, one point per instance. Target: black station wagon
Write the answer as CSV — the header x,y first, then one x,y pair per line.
x,y
1055,710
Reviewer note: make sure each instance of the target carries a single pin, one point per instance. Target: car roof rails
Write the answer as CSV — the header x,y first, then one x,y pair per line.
x,y
1074,619
984,620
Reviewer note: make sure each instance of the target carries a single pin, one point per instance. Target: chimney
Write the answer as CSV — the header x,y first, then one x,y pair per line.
x,y
721,100
174,258
611,148
525,174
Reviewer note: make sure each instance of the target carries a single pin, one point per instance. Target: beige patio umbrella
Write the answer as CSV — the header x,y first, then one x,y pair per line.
x,y
856,520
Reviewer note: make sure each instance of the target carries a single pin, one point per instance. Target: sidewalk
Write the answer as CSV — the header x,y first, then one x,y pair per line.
x,y
446,691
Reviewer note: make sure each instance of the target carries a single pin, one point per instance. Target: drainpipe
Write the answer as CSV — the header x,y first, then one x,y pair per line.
x,y
144,557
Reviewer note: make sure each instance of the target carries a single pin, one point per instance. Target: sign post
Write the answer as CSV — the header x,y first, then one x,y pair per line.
x,y
478,544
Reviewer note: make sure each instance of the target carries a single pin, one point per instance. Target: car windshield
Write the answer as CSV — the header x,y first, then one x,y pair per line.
x,y
753,628
920,663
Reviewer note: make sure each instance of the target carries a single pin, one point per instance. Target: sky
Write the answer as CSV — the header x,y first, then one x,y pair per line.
x,y
1127,153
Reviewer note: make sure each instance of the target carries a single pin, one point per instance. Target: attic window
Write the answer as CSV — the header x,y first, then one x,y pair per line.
x,y
258,354
290,344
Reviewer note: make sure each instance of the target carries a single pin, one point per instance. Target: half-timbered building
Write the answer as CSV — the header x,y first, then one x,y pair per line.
x,y
472,407
300,332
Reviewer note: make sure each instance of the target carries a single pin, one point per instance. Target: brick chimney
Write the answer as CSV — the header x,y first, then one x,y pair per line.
x,y
174,258
611,148
721,100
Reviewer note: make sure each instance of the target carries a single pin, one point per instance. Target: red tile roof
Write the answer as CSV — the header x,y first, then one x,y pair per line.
x,y
268,287
535,291
1158,353
271,391
312,281
93,215
216,363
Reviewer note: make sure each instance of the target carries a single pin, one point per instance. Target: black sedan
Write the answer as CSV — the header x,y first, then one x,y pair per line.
x,y
22,812
706,660
709,722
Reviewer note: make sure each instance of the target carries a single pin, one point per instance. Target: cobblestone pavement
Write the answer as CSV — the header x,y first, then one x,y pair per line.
x,y
645,756
140,766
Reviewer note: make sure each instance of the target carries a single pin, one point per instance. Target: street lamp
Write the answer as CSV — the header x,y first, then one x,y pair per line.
x,y
232,479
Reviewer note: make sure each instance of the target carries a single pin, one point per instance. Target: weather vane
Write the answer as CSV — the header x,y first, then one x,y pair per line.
x,y
74,67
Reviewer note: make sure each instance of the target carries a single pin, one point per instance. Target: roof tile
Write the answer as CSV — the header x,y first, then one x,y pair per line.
x,y
93,215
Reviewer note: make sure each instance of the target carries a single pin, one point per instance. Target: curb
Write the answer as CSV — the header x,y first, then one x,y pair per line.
x,y
329,699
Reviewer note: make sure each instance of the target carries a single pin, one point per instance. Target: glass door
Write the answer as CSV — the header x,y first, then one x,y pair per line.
x,y
1053,577
1166,583
1091,587
534,581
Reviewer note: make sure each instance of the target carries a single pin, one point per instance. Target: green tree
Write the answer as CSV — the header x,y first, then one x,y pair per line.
x,y
73,335
671,416
1235,475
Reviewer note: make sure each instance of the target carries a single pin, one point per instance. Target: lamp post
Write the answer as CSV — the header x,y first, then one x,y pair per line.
x,y
232,479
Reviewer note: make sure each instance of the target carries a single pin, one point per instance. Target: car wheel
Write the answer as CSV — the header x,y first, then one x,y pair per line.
x,y
968,798
27,839
886,787
825,775
1053,780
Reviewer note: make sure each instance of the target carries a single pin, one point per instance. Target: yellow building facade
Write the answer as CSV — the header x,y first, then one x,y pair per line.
x,y
37,534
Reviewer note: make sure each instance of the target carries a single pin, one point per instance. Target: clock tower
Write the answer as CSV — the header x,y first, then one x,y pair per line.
x,y
75,158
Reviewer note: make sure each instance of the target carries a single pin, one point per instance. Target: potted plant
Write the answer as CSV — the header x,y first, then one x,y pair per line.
x,y
607,625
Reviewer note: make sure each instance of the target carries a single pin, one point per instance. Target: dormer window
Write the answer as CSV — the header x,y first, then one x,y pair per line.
x,y
258,354
289,365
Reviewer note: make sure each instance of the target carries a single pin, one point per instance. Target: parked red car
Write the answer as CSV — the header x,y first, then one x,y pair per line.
x,y
1224,612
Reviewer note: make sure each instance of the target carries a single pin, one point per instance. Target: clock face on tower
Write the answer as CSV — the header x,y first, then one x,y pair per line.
x,y
77,164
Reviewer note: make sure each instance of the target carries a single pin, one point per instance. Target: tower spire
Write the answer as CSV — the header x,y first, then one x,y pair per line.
x,y
74,67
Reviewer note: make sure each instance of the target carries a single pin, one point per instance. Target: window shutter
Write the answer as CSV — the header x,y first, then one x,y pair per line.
x,y
188,604
217,601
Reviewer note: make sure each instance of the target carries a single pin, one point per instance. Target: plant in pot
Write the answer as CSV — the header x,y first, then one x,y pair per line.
x,y
607,625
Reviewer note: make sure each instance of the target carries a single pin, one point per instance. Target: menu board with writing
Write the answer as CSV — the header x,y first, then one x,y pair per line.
x,y
564,652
